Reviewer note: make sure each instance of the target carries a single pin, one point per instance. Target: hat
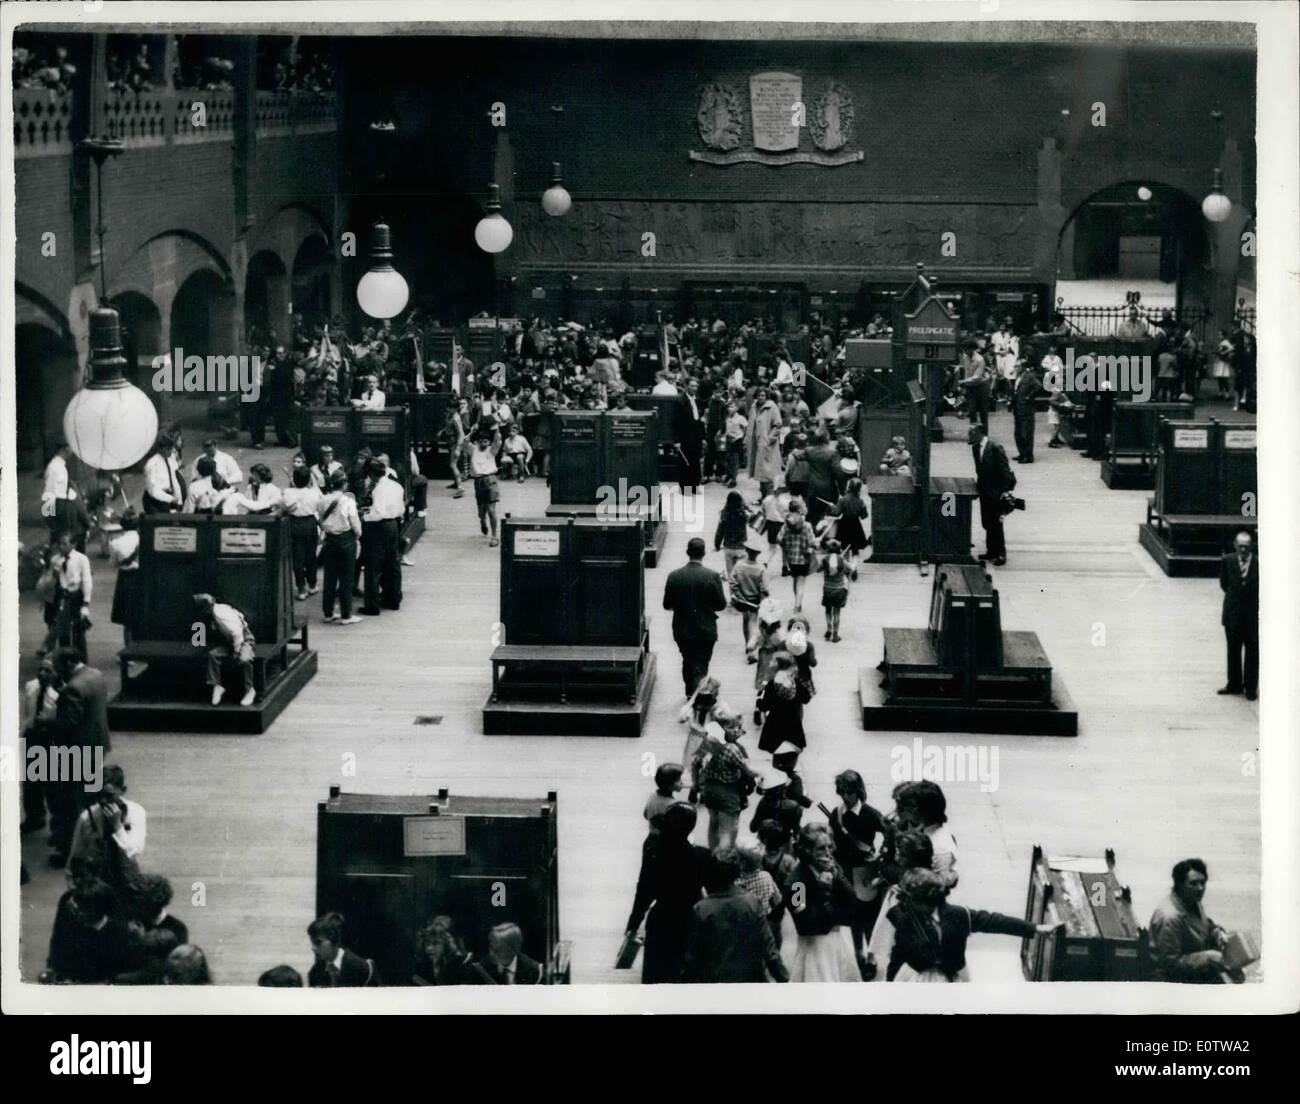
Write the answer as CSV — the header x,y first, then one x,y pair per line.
x,y
796,642
787,747
769,611
753,544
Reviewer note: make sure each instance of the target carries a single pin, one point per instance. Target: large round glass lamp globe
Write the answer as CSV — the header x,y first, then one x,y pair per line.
x,y
382,292
493,234
1216,206
556,200
110,428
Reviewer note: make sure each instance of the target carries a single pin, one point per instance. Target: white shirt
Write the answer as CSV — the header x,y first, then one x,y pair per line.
x,y
203,496
74,574
784,372
301,501
227,468
160,480
36,709
57,485
387,501
663,387
123,546
130,839
343,517
482,463
230,621
268,497
372,401
319,479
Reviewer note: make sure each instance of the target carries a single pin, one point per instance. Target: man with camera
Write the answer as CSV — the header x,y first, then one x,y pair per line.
x,y
994,480
112,828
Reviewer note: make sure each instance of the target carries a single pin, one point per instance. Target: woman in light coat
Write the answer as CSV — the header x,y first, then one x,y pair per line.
x,y
765,442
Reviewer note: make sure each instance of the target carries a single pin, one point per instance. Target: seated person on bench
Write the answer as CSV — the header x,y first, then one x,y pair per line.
x,y
516,455
897,459
231,640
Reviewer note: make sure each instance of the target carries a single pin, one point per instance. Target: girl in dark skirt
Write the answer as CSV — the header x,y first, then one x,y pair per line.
x,y
835,589
782,700
124,549
849,512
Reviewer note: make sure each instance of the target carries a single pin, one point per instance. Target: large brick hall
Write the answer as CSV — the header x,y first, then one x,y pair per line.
x,y
626,506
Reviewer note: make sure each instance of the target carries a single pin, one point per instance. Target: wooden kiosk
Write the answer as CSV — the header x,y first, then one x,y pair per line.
x,y
1132,444
963,673
604,464
1206,491
389,864
916,519
348,431
576,656
243,561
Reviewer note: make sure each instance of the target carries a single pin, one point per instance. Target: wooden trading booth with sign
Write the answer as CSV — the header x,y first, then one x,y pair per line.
x,y
916,519
348,431
963,672
390,864
575,659
605,464
1206,492
242,561
1132,443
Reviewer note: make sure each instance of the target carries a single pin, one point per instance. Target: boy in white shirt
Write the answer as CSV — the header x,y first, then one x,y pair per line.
x,y
516,454
734,433
483,470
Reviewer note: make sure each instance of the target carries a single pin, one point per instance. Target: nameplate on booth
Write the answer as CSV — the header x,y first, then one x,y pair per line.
x,y
574,429
175,538
327,424
1239,439
541,542
1191,438
243,542
379,424
433,835
628,429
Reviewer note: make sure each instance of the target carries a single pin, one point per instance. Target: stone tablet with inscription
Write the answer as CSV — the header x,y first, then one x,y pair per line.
x,y
772,99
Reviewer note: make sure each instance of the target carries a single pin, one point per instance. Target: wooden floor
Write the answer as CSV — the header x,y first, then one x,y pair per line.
x,y
1156,771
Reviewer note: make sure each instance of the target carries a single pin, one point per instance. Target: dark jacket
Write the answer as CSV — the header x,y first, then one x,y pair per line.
x,y
815,908
354,972
84,955
730,940
694,594
1240,596
527,972
993,475
1028,388
671,880
823,461
83,710
920,946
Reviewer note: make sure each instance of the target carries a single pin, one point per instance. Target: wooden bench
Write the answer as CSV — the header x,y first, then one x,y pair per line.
x,y
567,662
183,652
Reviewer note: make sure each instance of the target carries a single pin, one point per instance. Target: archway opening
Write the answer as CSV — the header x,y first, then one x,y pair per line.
x,y
45,375
141,336
313,273
266,300
1137,238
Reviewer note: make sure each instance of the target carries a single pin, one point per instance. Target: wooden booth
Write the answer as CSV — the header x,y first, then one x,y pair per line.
x,y
390,864
244,562
426,419
576,656
605,464
962,672
1132,442
669,428
348,431
1100,939
1206,492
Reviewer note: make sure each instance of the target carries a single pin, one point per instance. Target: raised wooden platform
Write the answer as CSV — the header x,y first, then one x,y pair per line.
x,y
1060,718
1191,545
144,711
573,718
1136,475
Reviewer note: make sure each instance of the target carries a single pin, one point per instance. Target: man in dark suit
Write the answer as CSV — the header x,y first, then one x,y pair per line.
x,y
1239,581
1027,389
334,967
993,478
694,594
506,964
77,747
690,422
729,938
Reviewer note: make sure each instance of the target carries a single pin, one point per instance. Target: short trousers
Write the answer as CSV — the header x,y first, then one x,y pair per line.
x,y
486,491
772,530
798,569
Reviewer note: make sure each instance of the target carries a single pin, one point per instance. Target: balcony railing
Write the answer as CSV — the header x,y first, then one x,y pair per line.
x,y
42,118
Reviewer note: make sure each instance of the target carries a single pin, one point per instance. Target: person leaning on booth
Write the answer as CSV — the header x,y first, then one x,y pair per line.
x,y
234,642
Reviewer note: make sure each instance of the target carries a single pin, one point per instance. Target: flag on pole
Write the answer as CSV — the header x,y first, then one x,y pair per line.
x,y
663,346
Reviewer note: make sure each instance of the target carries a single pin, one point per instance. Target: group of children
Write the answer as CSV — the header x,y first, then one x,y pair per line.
x,y
831,548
